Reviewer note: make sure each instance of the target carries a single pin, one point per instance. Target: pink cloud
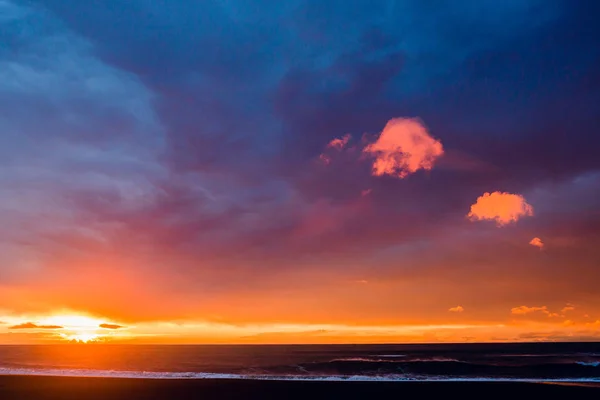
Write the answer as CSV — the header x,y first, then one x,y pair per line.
x,y
537,242
325,159
456,309
339,143
366,192
404,147
501,207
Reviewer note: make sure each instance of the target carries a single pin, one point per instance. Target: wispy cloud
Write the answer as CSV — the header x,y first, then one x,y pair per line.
x,y
456,309
523,310
537,242
404,147
568,308
339,143
111,326
501,207
31,325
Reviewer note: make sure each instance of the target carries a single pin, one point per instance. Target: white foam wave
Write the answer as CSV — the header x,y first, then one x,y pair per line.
x,y
382,359
89,373
390,355
589,364
357,359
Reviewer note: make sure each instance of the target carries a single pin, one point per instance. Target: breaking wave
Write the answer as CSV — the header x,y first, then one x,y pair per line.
x,y
86,373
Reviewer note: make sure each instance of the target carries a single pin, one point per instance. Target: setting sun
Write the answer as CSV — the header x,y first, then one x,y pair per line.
x,y
81,337
76,328
68,327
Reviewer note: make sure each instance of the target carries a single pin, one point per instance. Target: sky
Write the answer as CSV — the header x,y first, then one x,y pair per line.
x,y
299,172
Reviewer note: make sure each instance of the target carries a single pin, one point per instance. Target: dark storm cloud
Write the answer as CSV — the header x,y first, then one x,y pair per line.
x,y
184,136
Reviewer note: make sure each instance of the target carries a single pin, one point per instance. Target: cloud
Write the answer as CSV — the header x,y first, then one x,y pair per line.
x,y
81,131
31,325
111,326
567,308
522,310
366,192
339,143
456,309
403,148
537,242
501,207
325,159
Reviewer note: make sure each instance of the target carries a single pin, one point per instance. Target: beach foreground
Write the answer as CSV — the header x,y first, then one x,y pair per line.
x,y
47,388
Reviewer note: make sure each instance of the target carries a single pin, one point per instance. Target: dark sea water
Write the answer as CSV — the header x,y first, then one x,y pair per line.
x,y
519,362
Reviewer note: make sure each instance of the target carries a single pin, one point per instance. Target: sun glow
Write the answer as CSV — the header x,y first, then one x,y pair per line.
x,y
78,328
81,337
73,322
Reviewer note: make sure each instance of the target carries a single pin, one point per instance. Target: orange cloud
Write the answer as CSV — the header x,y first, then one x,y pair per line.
x,y
501,207
456,309
537,242
403,148
31,325
339,143
111,326
522,310
568,308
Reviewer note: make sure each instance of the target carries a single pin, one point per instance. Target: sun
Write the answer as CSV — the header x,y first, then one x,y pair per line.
x,y
77,328
81,337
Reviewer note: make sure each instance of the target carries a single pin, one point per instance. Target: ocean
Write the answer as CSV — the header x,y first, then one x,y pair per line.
x,y
577,362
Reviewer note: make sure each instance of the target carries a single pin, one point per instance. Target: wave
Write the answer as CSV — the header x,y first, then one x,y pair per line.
x,y
589,364
390,355
385,359
89,373
444,367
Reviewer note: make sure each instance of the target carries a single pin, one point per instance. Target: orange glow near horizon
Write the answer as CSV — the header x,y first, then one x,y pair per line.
x,y
523,324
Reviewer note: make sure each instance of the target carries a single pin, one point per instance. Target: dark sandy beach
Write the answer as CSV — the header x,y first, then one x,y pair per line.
x,y
54,388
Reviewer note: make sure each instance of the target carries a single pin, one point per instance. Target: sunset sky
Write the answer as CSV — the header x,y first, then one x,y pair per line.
x,y
299,172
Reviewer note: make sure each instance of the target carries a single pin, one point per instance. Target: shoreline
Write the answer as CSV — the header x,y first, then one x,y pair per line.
x,y
214,376
87,388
